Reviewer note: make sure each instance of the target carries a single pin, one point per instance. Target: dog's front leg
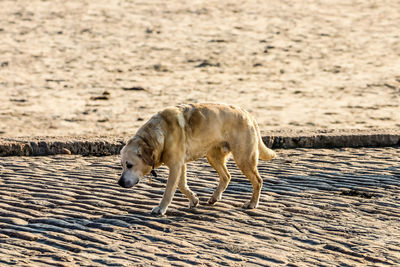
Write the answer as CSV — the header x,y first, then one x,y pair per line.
x,y
172,183
183,187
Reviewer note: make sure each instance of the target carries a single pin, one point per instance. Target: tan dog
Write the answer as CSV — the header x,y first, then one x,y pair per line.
x,y
185,133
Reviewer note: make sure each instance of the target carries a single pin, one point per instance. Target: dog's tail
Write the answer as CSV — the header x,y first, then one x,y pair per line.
x,y
264,151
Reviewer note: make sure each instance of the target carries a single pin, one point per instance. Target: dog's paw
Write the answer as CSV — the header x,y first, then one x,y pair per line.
x,y
250,205
194,202
158,210
213,200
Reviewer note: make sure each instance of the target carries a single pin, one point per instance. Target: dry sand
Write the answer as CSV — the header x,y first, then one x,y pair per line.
x,y
103,67
90,67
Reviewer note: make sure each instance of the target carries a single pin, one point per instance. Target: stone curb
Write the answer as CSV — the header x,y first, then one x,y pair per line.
x,y
106,145
333,138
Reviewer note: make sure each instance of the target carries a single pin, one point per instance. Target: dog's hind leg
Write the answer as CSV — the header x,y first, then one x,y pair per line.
x,y
247,163
217,158
183,187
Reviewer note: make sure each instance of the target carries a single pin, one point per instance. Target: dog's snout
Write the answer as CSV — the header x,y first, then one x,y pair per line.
x,y
127,183
121,181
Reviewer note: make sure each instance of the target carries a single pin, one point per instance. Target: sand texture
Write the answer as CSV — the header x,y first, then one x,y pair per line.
x,y
318,208
103,67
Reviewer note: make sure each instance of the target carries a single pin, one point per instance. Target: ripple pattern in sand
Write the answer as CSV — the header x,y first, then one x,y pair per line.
x,y
318,207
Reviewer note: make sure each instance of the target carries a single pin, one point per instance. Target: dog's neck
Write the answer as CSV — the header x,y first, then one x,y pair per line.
x,y
154,139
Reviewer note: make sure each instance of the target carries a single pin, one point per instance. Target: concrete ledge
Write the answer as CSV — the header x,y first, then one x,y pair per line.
x,y
333,138
44,146
110,145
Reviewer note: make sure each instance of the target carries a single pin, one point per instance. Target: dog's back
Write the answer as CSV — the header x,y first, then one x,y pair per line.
x,y
219,123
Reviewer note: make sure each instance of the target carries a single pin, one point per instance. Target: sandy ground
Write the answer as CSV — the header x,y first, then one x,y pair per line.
x,y
102,67
318,208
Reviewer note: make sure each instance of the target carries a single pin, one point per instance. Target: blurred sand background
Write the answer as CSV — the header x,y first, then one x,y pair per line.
x,y
104,67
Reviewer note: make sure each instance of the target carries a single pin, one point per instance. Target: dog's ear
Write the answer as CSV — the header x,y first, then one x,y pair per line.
x,y
147,155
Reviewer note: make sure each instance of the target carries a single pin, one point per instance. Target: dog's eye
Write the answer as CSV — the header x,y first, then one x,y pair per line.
x,y
129,165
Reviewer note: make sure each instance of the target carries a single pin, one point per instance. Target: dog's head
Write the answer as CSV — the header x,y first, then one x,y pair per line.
x,y
137,161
